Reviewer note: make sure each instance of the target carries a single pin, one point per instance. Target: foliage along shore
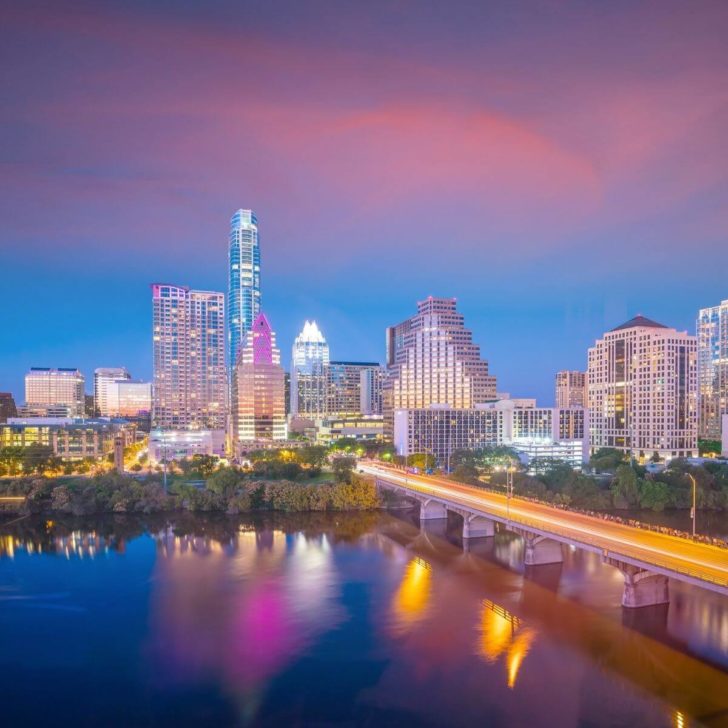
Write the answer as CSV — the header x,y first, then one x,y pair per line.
x,y
227,490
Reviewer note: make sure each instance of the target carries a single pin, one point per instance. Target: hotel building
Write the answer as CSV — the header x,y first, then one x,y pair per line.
x,y
712,333
309,362
54,392
642,390
570,389
189,387
431,359
259,382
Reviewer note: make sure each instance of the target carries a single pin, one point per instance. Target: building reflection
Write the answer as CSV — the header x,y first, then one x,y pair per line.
x,y
240,611
76,544
503,633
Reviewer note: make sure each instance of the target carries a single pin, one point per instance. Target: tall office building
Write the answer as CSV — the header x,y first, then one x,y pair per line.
x,y
104,378
642,390
244,283
309,359
570,389
344,386
712,331
54,392
431,359
260,387
371,381
190,383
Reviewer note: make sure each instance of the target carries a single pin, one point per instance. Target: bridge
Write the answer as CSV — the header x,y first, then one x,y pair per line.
x,y
647,559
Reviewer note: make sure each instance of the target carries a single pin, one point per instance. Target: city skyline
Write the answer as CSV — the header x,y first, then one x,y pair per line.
x,y
138,176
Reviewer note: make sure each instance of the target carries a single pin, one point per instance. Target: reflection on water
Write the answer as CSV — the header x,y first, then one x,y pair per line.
x,y
358,619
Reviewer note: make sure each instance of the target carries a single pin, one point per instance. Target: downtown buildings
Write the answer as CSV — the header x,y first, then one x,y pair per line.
x,y
54,392
243,280
104,378
309,362
570,389
712,334
190,381
642,391
432,360
258,380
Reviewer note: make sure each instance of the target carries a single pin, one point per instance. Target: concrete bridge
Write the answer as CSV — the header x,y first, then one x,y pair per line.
x,y
647,559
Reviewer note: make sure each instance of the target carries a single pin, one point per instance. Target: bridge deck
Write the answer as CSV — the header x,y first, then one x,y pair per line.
x,y
673,556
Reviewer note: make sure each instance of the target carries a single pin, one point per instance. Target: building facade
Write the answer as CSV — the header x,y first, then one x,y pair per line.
x,y
7,406
535,432
371,382
244,280
104,379
431,359
570,389
309,362
130,399
169,445
70,439
642,390
712,333
54,392
190,384
259,381
344,386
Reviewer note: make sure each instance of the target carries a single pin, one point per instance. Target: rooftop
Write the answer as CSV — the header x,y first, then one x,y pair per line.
x,y
639,321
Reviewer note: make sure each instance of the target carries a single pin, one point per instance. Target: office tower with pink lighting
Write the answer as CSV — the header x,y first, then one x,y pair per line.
x,y
259,383
190,381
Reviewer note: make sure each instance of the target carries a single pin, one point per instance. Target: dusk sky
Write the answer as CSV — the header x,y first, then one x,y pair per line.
x,y
557,166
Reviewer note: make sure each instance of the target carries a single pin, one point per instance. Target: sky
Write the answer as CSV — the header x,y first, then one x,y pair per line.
x,y
556,166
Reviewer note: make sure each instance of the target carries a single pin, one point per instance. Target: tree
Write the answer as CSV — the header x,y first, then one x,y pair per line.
x,y
465,473
606,459
343,466
38,458
626,487
654,494
224,481
313,455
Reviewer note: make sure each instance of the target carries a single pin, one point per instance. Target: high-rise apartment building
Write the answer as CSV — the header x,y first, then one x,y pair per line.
x,y
431,359
54,392
190,382
104,378
712,332
570,389
244,282
260,387
309,360
370,383
344,386
642,390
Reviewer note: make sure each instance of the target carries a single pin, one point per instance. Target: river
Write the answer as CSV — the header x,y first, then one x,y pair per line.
x,y
330,619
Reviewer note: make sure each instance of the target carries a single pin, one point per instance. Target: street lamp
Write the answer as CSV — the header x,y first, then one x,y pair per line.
x,y
693,509
509,489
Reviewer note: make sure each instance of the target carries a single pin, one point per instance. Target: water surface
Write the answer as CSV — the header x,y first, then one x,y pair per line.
x,y
329,619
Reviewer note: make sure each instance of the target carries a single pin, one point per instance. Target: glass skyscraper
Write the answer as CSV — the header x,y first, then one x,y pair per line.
x,y
309,363
244,284
712,330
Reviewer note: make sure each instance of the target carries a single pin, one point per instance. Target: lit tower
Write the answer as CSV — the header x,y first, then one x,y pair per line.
x,y
310,358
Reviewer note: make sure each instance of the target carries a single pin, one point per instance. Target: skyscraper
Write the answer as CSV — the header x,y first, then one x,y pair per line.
x,y
712,331
371,390
7,406
54,392
244,282
431,359
642,390
104,377
190,383
344,386
570,389
310,357
260,387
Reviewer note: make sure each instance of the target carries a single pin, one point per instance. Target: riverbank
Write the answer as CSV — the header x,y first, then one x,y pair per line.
x,y
226,491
